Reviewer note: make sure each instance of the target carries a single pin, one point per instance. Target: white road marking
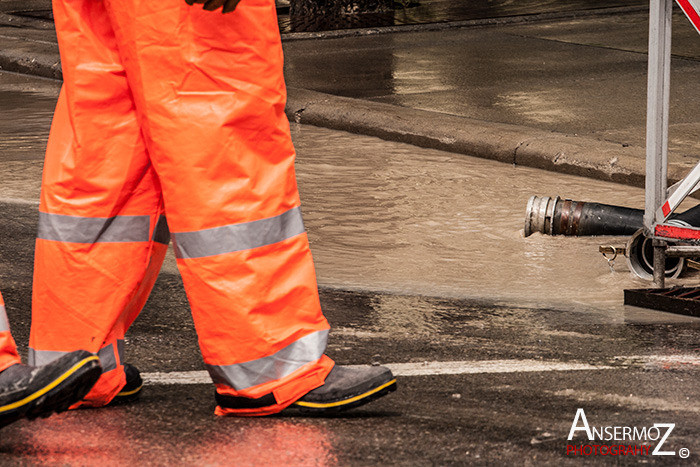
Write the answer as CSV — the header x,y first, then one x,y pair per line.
x,y
19,201
177,377
411,369
662,360
469,367
488,366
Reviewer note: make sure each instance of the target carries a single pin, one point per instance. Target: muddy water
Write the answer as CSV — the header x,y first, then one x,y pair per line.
x,y
388,216
393,217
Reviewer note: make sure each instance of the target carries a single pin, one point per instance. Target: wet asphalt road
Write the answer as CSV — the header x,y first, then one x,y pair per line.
x,y
481,380
484,378
577,76
520,416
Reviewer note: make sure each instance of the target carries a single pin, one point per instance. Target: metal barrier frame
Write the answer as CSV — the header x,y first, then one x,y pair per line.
x,y
660,201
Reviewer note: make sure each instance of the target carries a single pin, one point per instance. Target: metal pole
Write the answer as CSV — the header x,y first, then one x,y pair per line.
x,y
658,85
659,263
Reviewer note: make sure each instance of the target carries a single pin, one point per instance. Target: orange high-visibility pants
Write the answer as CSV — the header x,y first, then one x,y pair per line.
x,y
170,110
8,349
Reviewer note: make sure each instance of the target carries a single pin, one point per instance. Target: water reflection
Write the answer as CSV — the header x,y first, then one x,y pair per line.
x,y
539,106
147,434
67,439
263,442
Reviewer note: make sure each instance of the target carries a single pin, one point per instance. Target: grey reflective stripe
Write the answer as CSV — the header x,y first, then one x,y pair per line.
x,y
43,357
263,370
4,323
108,360
76,229
237,237
120,349
161,234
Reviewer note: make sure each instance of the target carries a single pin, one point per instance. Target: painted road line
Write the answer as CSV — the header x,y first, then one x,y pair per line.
x,y
679,360
469,367
488,366
412,369
177,377
21,201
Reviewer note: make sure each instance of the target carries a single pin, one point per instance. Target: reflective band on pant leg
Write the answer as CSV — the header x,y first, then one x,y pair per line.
x,y
8,349
237,237
4,322
108,359
43,357
74,229
264,370
102,236
288,390
109,384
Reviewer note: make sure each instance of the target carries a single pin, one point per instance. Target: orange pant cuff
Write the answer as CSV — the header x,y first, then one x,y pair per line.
x,y
9,362
104,390
288,392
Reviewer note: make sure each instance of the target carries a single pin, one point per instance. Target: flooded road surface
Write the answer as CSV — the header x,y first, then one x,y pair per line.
x,y
386,216
398,218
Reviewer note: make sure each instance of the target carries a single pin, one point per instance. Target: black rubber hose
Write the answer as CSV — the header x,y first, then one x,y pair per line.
x,y
691,216
580,218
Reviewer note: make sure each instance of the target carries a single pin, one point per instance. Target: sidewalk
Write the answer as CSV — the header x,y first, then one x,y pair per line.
x,y
567,95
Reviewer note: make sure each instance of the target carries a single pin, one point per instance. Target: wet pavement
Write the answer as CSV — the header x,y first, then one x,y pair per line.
x,y
411,12
582,76
497,339
541,86
406,12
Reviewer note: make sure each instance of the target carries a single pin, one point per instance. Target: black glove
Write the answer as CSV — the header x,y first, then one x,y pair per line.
x,y
211,5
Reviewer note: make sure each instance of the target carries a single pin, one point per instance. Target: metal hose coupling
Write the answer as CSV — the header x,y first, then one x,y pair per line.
x,y
556,216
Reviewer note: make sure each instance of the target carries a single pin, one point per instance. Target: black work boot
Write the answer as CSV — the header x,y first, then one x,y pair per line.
x,y
347,387
38,391
132,390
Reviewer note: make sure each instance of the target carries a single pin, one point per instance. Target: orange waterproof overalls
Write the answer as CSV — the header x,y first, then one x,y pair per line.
x,y
168,109
8,349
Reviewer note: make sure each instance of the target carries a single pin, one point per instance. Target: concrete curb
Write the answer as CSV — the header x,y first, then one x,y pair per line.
x,y
513,144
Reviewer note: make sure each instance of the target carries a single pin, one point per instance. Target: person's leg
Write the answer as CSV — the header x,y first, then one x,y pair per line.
x,y
210,93
31,392
8,349
102,237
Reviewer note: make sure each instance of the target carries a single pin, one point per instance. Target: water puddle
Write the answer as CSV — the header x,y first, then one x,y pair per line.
x,y
394,217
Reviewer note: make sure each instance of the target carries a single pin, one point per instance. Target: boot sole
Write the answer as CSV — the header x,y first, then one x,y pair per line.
x,y
56,396
348,403
125,397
